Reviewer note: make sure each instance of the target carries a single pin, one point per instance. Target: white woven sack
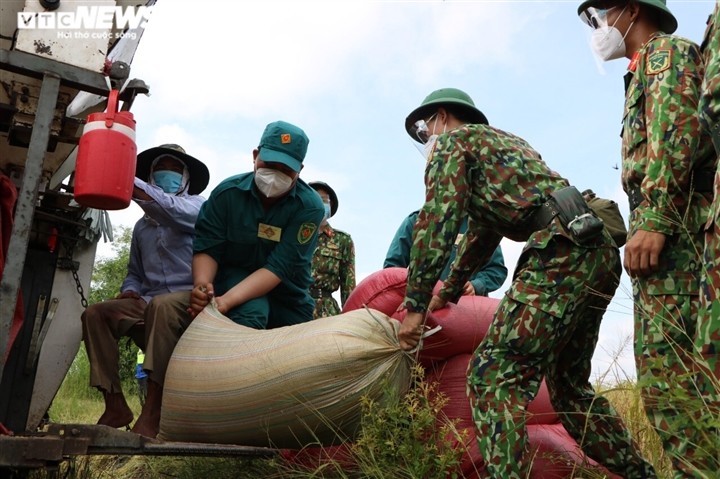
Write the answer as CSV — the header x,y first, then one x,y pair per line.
x,y
287,387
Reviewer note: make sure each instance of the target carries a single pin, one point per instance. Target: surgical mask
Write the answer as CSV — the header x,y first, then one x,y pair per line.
x,y
169,181
272,183
607,42
327,210
429,146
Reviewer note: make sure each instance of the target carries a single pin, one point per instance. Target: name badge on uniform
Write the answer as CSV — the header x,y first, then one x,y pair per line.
x,y
269,232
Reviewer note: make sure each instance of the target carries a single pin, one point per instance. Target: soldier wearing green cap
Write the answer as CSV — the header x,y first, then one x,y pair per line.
x,y
667,171
547,324
333,265
254,241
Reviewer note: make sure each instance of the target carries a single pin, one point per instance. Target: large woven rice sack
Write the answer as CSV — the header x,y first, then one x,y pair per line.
x,y
286,387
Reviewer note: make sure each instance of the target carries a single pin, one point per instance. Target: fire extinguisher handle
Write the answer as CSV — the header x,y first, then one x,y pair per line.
x,y
112,108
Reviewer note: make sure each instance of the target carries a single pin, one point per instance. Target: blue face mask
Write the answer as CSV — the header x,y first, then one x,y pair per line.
x,y
327,210
169,181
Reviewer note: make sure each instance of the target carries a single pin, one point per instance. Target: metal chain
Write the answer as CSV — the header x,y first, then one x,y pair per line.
x,y
73,269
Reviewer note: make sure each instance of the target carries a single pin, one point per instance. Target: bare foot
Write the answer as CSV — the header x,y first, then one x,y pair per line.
x,y
116,420
117,412
148,424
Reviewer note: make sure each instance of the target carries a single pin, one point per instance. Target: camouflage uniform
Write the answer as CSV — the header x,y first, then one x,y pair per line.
x,y
663,160
547,324
708,334
333,267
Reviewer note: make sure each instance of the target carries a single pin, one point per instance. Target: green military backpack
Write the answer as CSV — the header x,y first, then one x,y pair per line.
x,y
608,211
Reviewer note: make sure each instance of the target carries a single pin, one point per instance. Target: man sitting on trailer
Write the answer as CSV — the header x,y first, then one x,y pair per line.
x,y
255,238
167,186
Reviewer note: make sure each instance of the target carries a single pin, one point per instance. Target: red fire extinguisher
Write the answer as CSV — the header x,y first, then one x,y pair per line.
x,y
105,165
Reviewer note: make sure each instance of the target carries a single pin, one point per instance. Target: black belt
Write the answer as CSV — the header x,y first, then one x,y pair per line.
x,y
701,181
544,214
318,293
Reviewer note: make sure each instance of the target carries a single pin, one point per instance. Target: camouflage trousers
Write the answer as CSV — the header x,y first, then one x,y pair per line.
x,y
707,340
547,325
325,306
673,377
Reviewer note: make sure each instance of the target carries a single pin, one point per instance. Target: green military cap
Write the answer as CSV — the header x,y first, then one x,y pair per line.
x,y
284,143
444,96
668,22
321,185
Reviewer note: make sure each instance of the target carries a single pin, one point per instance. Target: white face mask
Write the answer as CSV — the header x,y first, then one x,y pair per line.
x,y
429,146
607,42
272,183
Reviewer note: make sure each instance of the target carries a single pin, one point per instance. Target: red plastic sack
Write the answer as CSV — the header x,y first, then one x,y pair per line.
x,y
383,290
556,454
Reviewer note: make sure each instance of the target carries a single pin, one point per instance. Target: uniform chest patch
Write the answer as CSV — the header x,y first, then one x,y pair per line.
x,y
269,232
658,61
305,232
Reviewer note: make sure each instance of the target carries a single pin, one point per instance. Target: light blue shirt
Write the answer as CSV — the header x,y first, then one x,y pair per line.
x,y
161,248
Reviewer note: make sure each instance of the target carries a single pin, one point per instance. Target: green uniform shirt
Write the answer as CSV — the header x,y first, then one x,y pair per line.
x,y
710,95
660,141
495,179
661,148
234,228
489,278
333,268
710,98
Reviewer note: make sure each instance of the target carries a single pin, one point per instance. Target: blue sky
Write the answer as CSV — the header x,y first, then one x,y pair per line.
x,y
349,72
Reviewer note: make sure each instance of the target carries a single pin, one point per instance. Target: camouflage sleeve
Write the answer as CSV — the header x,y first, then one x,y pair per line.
x,y
673,75
710,98
475,250
438,224
347,268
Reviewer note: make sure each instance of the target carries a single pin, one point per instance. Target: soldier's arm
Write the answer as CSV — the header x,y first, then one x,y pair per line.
x,y
673,73
347,269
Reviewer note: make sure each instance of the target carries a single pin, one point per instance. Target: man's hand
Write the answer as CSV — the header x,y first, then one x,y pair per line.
x,y
642,253
200,297
469,289
436,303
410,331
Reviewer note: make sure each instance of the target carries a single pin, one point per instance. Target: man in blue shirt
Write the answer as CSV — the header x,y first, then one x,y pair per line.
x,y
167,186
486,280
254,243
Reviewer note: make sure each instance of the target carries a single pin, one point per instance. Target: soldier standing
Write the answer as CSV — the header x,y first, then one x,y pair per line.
x,y
708,342
667,171
333,264
547,323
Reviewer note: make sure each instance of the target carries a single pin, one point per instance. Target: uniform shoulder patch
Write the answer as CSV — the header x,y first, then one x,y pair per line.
x,y
305,232
658,61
